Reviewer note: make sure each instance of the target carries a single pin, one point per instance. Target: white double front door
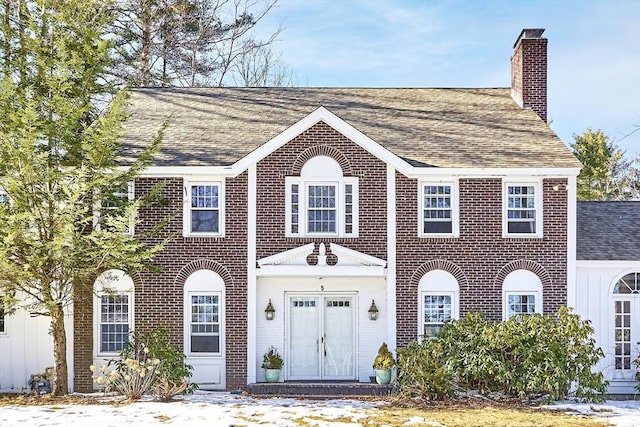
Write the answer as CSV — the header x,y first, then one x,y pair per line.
x,y
321,337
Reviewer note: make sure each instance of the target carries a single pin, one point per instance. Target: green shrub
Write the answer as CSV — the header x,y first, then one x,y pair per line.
x,y
422,372
149,362
384,359
528,356
525,356
272,359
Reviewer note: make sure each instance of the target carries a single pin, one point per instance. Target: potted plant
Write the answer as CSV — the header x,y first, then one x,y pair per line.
x,y
383,363
272,364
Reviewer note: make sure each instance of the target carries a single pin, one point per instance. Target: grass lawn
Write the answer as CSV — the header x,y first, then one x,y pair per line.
x,y
478,417
437,414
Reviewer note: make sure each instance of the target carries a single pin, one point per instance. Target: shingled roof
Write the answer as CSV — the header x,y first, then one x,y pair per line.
x,y
458,128
608,231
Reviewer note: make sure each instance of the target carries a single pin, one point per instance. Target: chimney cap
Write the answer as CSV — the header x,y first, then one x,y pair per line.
x,y
529,33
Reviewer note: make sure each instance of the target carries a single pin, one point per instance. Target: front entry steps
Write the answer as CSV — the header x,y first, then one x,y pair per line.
x,y
319,389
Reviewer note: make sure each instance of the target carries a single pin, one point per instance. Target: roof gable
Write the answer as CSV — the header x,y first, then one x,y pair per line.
x,y
321,114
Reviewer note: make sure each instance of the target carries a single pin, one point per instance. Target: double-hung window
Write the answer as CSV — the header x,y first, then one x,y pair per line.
x,y
522,294
204,327
520,303
437,309
438,209
321,201
111,214
114,322
523,210
438,302
113,312
204,214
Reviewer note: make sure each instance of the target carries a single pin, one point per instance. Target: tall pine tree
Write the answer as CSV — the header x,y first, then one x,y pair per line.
x,y
56,155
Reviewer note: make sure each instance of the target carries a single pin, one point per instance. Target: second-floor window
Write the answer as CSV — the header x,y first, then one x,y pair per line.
x,y
438,211
523,210
204,209
321,201
110,211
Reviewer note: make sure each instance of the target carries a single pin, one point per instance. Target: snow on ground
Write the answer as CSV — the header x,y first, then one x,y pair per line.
x,y
214,409
621,413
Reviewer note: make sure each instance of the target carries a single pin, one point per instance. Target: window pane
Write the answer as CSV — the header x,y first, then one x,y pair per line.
x,y
437,209
321,215
203,221
521,210
205,344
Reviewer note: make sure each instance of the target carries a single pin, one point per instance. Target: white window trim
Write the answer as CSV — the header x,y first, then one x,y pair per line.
x,y
519,286
438,282
98,207
455,210
507,294
303,184
122,286
204,282
186,232
539,220
454,308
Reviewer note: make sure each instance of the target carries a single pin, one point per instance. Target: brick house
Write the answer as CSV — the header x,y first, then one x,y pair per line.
x,y
325,203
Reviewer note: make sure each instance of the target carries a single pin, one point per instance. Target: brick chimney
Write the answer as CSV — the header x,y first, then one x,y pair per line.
x,y
529,71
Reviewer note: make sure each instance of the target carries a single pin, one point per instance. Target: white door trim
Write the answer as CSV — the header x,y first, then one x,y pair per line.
x,y
322,298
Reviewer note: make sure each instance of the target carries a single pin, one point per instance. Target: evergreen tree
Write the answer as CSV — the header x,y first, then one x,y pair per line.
x,y
56,155
605,173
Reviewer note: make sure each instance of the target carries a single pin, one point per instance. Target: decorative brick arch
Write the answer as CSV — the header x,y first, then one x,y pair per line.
x,y
202,264
321,150
440,264
523,264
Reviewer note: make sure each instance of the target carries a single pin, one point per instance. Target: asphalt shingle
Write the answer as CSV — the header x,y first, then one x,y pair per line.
x,y
458,128
609,230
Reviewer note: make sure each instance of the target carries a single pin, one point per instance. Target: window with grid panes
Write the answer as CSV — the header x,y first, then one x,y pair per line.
x,y
205,323
522,209
205,201
437,208
321,201
438,309
114,322
520,304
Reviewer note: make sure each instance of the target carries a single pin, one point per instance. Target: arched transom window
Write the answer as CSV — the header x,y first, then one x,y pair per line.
x,y
629,284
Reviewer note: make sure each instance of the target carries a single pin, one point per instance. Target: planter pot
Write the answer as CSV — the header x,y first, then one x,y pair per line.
x,y
272,375
383,376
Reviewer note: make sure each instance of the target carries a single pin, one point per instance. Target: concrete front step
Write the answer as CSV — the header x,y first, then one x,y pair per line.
x,y
319,389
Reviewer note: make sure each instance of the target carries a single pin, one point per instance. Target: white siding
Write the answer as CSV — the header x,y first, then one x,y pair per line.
x,y
594,302
26,348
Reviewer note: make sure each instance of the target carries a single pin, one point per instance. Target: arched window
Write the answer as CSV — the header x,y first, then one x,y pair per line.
x,y
629,284
626,330
521,293
112,312
204,314
439,295
321,201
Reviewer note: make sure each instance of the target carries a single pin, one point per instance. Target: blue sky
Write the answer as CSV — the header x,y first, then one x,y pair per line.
x,y
594,51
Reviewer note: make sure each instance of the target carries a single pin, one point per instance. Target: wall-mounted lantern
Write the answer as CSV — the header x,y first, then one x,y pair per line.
x,y
270,312
373,311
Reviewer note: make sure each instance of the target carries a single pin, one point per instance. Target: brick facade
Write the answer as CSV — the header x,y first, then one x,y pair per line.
x,y
479,258
480,253
354,160
159,297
